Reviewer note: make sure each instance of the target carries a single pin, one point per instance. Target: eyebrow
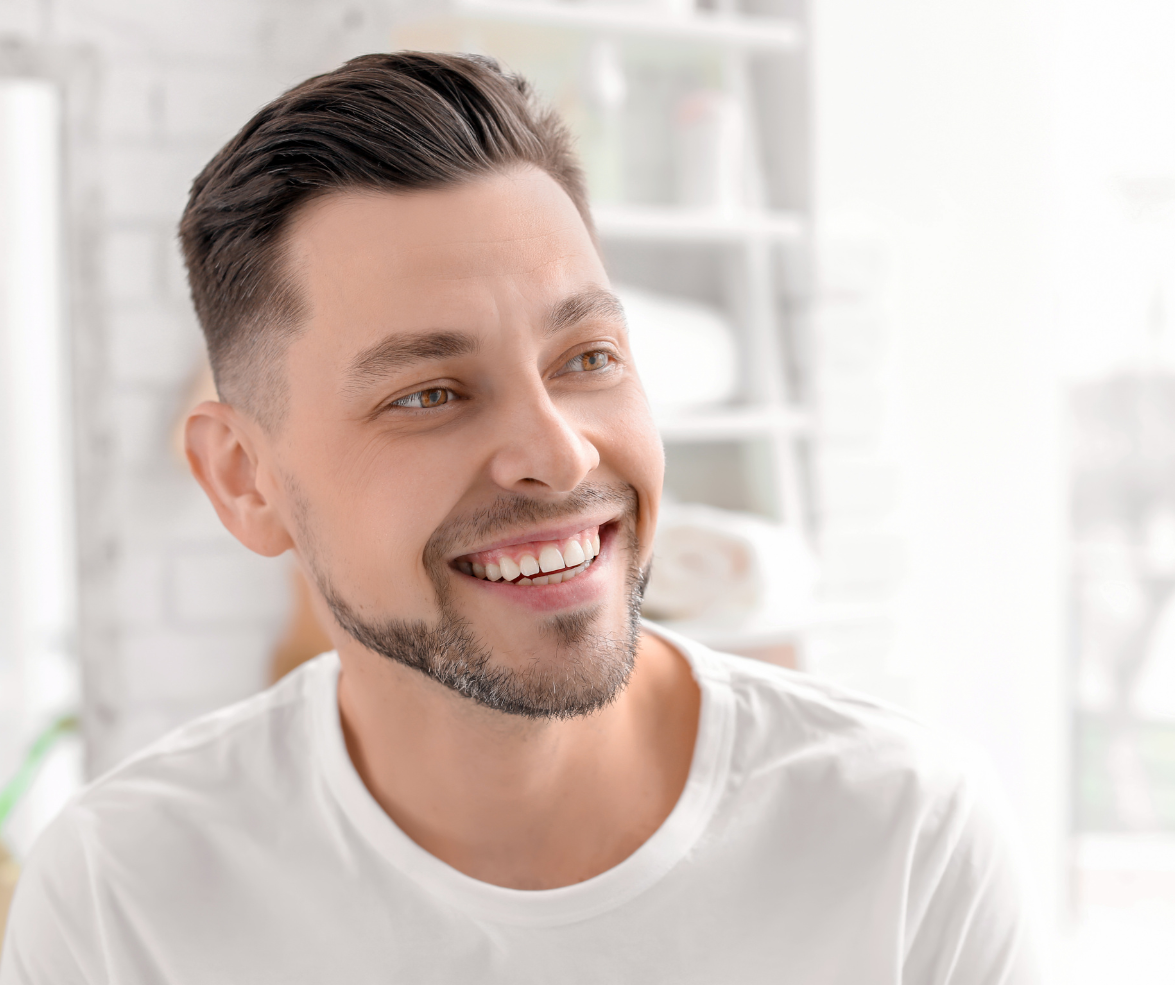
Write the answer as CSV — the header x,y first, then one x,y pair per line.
x,y
393,353
398,351
592,303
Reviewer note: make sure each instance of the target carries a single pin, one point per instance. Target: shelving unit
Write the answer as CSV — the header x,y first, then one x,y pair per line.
x,y
734,424
745,252
653,224
644,20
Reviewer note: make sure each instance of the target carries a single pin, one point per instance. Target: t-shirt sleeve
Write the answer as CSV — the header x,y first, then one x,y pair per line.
x,y
53,935
967,921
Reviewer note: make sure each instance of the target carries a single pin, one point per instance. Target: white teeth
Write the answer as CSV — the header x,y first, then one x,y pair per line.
x,y
573,554
551,560
574,558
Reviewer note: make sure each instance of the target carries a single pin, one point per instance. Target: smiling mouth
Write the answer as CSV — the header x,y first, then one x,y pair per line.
x,y
544,562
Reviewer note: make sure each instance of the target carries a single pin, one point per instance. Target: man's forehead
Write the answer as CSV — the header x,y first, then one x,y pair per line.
x,y
504,250
500,224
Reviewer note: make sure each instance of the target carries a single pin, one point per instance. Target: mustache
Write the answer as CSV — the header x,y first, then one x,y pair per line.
x,y
509,512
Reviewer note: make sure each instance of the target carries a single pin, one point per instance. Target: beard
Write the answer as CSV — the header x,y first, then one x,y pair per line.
x,y
587,668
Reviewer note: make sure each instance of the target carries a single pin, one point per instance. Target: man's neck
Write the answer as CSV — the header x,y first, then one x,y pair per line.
x,y
512,801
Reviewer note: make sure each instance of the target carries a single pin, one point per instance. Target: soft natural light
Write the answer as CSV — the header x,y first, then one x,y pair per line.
x,y
1114,91
37,568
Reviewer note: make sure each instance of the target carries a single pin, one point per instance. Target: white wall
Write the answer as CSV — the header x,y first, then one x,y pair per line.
x,y
932,159
177,618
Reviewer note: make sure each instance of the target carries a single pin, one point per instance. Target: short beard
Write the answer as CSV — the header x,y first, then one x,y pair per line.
x,y
588,669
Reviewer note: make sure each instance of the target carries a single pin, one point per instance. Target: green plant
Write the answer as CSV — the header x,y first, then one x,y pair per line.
x,y
14,789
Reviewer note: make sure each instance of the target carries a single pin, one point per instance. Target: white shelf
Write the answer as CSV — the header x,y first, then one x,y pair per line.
x,y
737,31
698,225
731,424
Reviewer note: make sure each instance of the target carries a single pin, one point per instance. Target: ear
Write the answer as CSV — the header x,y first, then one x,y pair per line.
x,y
222,452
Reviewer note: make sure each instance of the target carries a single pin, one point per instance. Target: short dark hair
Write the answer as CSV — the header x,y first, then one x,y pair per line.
x,y
406,120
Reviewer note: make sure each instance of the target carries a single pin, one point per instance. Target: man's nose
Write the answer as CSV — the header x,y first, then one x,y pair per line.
x,y
540,447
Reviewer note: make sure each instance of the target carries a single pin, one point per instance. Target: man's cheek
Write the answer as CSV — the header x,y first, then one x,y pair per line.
x,y
384,560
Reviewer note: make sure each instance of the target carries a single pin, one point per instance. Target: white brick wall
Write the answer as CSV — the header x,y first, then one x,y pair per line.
x,y
177,617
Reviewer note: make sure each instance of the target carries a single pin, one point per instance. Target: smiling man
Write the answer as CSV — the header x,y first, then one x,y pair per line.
x,y
500,774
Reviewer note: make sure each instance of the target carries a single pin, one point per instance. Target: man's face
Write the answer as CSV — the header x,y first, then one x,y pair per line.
x,y
462,410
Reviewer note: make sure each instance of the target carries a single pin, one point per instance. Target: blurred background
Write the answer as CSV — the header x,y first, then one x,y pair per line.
x,y
920,436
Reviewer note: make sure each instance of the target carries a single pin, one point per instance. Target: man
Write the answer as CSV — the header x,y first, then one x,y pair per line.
x,y
502,775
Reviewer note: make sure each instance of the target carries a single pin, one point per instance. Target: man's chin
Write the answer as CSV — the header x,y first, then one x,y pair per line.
x,y
558,667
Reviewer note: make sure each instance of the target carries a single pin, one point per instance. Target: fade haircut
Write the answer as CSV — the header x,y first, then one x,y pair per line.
x,y
384,122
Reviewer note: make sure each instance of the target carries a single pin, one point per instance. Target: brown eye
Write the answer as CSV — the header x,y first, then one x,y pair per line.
x,y
425,399
588,361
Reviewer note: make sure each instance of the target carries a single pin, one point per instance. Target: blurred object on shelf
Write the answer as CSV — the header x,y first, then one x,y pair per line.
x,y
304,637
605,72
685,351
731,580
1123,527
709,140
605,88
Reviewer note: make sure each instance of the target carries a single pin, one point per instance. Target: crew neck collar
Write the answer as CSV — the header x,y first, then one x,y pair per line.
x,y
543,907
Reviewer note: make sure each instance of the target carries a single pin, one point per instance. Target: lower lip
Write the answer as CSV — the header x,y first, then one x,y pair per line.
x,y
584,588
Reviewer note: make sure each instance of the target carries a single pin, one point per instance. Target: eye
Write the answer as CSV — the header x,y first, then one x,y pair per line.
x,y
588,362
425,399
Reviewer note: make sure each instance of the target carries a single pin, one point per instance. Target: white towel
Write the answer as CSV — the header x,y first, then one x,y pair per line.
x,y
719,574
684,350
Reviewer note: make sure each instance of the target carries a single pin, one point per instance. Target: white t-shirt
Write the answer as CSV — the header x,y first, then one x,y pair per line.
x,y
820,838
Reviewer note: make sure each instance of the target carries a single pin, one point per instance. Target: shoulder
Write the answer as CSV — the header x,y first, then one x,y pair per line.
x,y
159,817
860,767
851,777
214,769
812,735
271,725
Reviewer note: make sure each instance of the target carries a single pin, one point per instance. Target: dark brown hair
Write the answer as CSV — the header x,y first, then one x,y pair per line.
x,y
407,120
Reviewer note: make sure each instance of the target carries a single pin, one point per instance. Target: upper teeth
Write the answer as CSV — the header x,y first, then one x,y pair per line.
x,y
566,562
574,554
